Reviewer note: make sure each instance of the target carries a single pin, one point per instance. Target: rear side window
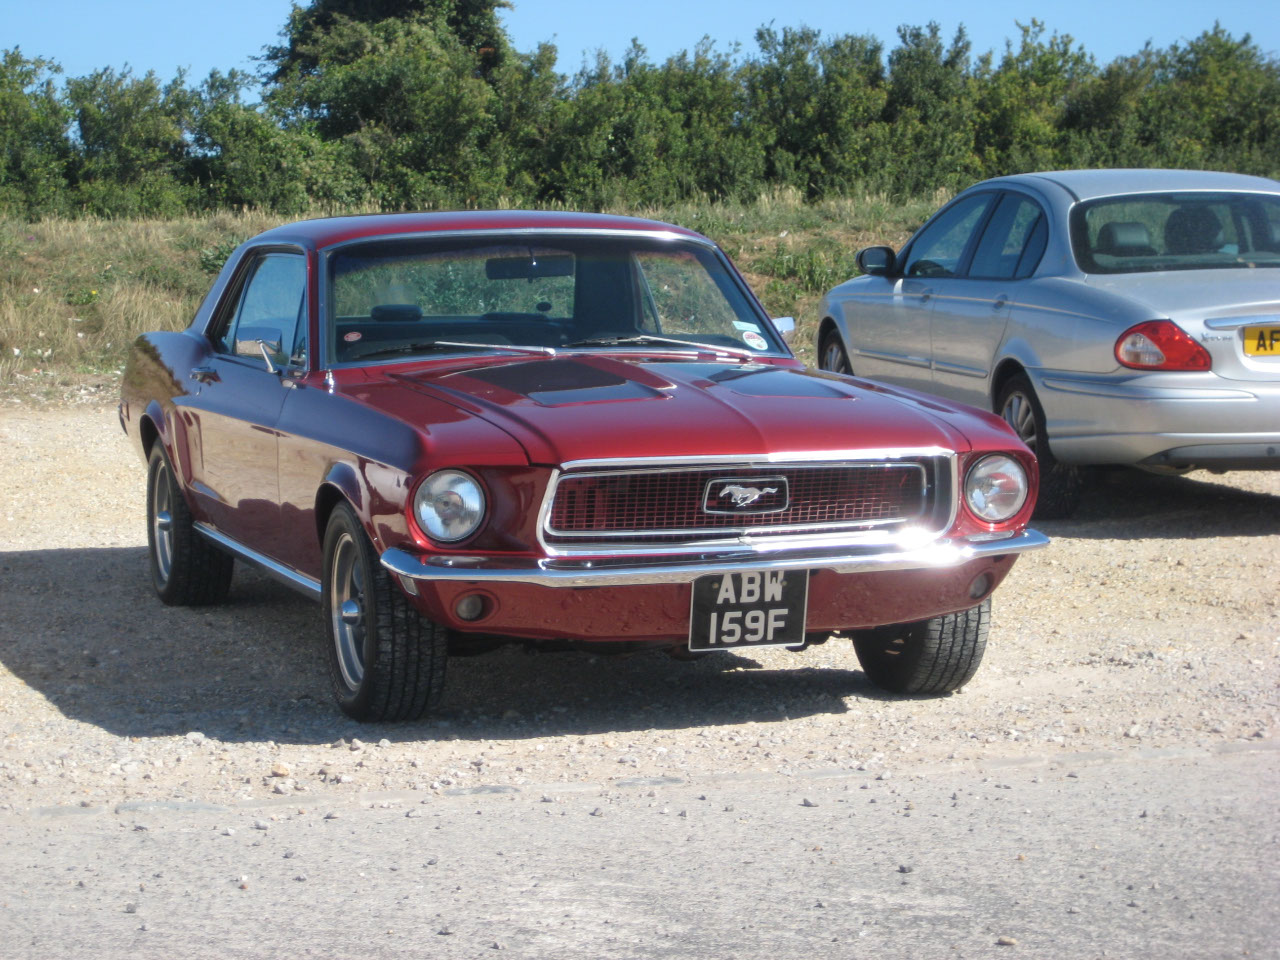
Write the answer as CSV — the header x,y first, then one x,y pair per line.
x,y
1013,241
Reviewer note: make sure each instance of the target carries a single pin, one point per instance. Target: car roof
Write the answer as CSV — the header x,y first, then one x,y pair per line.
x,y
330,231
1092,184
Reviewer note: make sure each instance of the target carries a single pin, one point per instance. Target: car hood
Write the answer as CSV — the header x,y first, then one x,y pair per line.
x,y
590,407
1198,294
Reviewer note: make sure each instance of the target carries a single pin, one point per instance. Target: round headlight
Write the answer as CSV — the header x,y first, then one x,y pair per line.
x,y
449,506
996,488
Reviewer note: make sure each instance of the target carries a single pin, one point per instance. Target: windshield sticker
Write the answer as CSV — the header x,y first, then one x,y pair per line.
x,y
747,325
353,336
755,341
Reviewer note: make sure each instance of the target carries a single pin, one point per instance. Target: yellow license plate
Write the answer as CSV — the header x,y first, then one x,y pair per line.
x,y
1262,341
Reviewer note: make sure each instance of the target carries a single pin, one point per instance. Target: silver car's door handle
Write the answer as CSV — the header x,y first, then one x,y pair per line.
x,y
999,302
205,374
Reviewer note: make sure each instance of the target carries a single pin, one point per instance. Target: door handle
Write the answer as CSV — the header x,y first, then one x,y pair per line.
x,y
1000,301
205,374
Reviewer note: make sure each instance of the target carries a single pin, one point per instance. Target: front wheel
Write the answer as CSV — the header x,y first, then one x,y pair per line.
x,y
386,661
932,656
186,569
832,354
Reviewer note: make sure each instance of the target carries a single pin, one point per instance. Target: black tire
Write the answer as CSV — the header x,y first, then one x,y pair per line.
x,y
186,569
930,657
386,661
832,354
1060,483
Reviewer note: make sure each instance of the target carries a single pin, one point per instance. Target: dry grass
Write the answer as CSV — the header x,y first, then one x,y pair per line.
x,y
75,293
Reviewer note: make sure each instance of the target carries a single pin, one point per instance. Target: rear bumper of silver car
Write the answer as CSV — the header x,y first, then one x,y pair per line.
x,y
1162,419
562,572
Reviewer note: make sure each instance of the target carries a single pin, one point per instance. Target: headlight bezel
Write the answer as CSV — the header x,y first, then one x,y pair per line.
x,y
991,505
442,489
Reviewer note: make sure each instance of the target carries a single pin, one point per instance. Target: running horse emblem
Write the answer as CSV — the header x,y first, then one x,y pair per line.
x,y
745,496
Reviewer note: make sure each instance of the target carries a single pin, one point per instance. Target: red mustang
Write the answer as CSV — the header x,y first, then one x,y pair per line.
x,y
457,429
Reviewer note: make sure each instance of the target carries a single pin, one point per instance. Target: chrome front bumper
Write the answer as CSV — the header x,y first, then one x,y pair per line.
x,y
560,572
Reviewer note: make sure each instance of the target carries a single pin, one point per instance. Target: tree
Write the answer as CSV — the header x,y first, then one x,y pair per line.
x,y
1022,104
474,23
930,107
131,143
33,144
818,106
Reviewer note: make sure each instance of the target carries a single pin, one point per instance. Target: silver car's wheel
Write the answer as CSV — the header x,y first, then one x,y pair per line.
x,y
832,356
386,661
186,569
1060,483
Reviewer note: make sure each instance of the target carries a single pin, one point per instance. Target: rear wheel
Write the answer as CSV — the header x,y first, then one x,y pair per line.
x,y
386,661
832,355
1060,483
186,569
929,657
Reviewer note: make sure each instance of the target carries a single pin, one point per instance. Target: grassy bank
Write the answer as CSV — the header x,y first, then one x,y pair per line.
x,y
74,293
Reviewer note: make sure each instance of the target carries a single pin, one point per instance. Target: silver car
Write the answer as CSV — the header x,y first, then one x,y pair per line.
x,y
1110,316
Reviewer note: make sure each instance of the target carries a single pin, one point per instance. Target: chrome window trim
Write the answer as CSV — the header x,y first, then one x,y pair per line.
x,y
324,362
722,541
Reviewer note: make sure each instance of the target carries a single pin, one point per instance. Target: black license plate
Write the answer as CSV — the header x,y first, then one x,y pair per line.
x,y
762,608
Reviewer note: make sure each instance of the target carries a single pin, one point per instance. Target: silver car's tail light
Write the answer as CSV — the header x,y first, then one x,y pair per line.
x,y
995,488
1160,345
449,506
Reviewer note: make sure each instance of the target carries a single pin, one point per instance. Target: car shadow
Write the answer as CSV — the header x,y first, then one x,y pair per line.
x,y
1124,504
84,629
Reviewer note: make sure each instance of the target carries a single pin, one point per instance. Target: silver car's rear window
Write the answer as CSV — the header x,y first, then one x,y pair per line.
x,y
1141,233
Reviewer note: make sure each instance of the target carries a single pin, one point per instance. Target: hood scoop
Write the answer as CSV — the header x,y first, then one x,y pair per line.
x,y
773,382
556,383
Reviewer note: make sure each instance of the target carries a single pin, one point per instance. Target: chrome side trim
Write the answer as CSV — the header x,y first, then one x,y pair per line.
x,y
308,586
587,573
1234,323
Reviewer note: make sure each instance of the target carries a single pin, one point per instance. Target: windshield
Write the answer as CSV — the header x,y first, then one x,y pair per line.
x,y
396,298
1176,231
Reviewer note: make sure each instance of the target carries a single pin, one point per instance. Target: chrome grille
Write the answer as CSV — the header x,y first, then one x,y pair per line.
x,y
669,505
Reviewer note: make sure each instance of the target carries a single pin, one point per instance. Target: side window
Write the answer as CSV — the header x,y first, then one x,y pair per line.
x,y
272,307
1014,228
937,251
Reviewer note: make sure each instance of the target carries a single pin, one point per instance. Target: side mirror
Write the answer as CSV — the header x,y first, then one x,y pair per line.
x,y
259,342
876,261
786,327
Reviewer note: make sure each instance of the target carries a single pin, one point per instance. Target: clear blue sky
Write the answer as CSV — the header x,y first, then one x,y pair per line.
x,y
163,35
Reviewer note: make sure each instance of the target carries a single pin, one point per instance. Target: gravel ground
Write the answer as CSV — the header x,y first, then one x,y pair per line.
x,y
179,783
1151,623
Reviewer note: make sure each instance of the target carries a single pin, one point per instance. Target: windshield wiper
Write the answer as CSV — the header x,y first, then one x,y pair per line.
x,y
434,344
650,338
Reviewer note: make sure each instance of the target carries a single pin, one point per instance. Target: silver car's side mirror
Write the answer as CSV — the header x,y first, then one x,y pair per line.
x,y
786,327
876,261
